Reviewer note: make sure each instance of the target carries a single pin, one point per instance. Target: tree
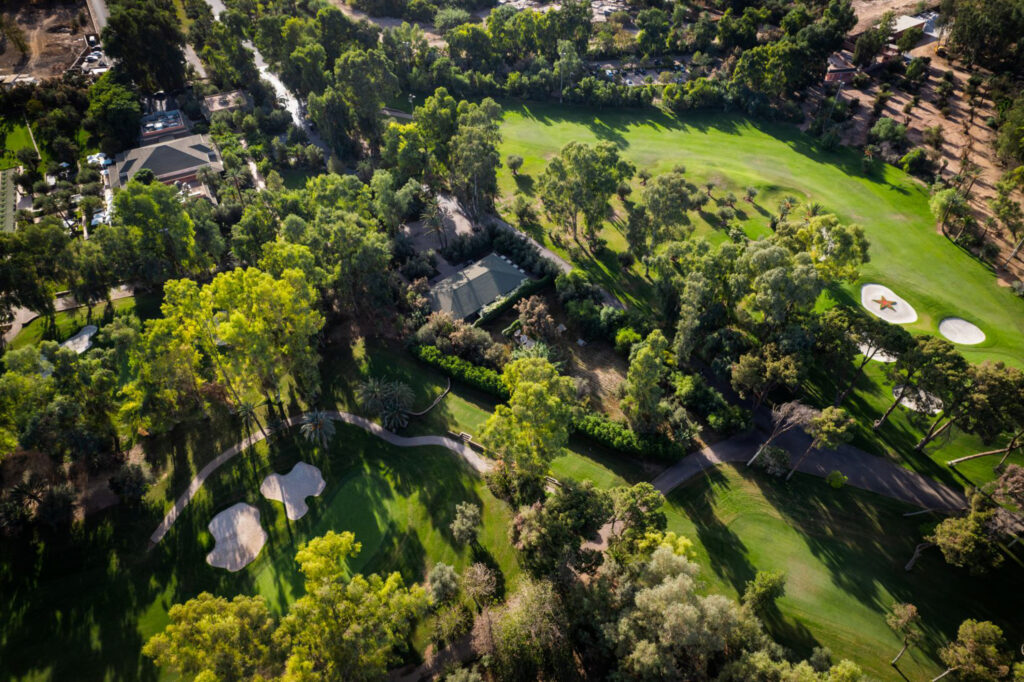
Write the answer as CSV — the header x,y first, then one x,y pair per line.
x,y
444,583
872,336
760,594
642,391
532,428
145,38
568,65
474,156
530,635
996,410
151,236
905,621
390,400
667,198
786,417
318,427
345,627
514,163
836,250
365,82
947,203
976,653
830,428
479,583
115,111
926,355
970,541
535,320
578,183
466,523
758,374
636,511
211,636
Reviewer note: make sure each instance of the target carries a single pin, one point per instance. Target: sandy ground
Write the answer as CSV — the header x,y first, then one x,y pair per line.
x,y
53,44
870,11
919,401
873,296
292,489
961,331
965,135
82,341
238,535
879,356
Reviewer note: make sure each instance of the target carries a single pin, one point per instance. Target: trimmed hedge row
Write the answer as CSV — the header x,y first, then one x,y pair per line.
x,y
527,288
593,425
485,379
618,436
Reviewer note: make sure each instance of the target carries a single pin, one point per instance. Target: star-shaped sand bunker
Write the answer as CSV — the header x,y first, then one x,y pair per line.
x,y
881,301
292,489
238,535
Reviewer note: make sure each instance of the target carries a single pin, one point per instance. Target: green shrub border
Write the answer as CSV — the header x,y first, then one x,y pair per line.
x,y
594,426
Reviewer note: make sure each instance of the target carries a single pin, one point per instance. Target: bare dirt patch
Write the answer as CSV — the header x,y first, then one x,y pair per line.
x,y
55,34
870,11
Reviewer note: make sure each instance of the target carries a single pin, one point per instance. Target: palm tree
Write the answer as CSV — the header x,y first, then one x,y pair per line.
x,y
246,410
371,395
785,206
433,221
318,426
235,176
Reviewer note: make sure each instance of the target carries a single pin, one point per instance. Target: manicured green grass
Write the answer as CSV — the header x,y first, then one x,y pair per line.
x,y
907,254
70,322
13,136
844,554
900,434
102,594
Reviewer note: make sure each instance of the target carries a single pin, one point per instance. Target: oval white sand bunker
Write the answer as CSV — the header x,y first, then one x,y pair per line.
x,y
959,330
238,535
882,302
292,489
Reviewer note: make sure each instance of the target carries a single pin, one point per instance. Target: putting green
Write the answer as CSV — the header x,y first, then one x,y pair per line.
x,y
907,254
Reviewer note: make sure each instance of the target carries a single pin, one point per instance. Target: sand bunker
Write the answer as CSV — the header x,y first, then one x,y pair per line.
x,y
292,489
879,356
882,302
81,341
919,401
959,330
239,537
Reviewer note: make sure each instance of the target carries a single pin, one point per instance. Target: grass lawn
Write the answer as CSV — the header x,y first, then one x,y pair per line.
x,y
13,136
102,594
907,254
844,554
899,435
69,322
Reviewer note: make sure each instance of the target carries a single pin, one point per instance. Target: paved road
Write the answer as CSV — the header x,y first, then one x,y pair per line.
x,y
23,316
865,471
458,447
100,14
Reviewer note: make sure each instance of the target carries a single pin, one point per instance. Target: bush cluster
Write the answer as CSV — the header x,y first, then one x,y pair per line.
x,y
485,379
618,436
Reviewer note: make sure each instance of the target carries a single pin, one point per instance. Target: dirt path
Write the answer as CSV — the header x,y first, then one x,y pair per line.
x,y
458,447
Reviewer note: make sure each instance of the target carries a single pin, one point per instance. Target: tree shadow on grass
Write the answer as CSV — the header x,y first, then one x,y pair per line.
x,y
525,183
727,553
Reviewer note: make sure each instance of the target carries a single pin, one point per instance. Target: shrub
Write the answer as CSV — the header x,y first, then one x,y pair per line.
x,y
449,18
482,378
773,460
618,436
625,338
836,479
916,162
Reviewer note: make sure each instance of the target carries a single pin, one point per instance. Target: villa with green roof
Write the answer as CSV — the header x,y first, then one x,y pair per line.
x,y
466,292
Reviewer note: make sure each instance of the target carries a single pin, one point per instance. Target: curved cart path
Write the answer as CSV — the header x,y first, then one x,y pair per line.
x,y
865,471
458,447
